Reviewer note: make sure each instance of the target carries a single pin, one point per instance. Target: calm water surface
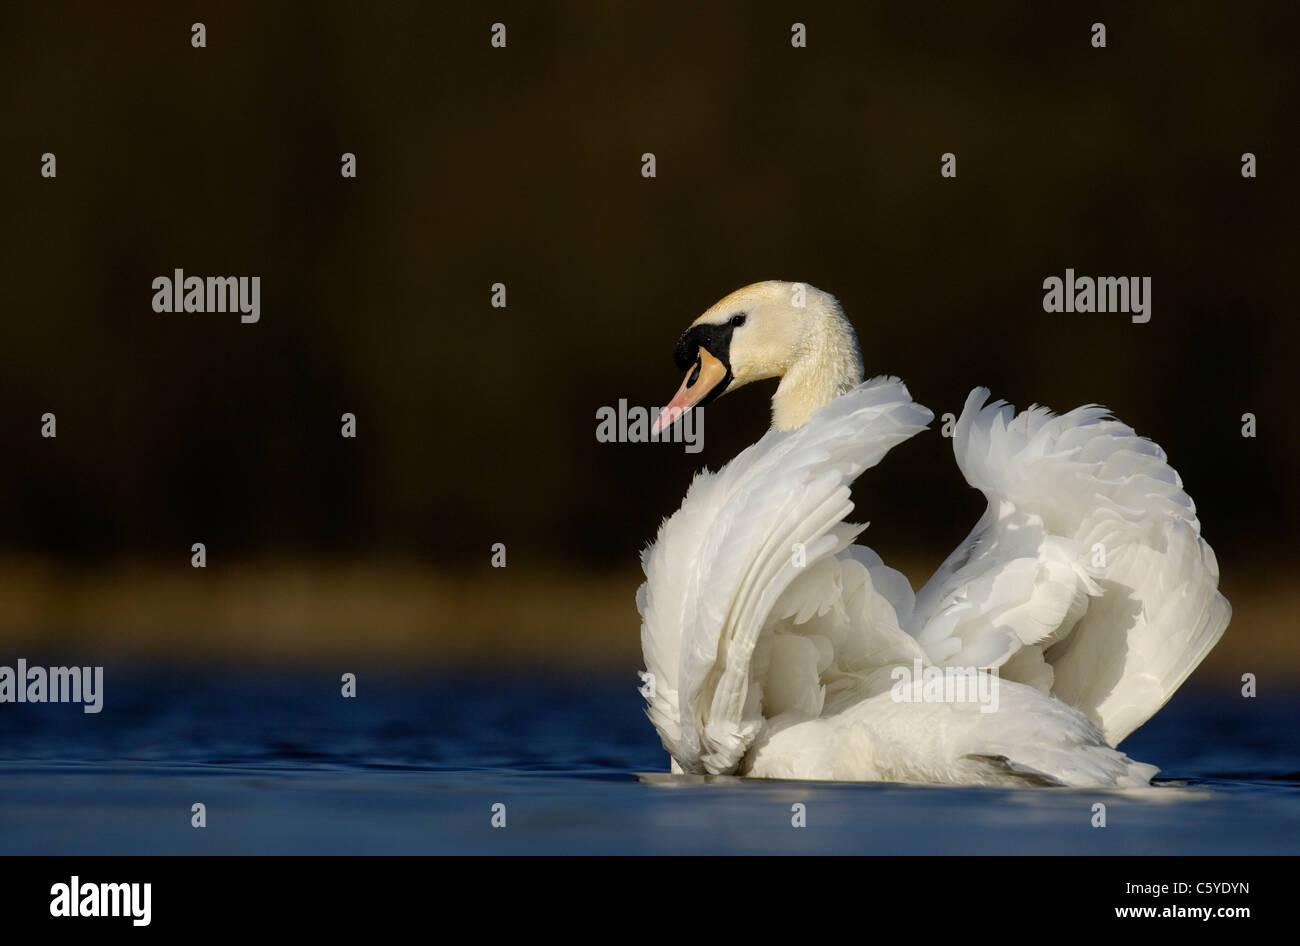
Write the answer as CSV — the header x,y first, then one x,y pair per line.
x,y
415,764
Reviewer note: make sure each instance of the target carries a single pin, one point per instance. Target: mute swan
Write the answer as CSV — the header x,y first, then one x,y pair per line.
x,y
1080,601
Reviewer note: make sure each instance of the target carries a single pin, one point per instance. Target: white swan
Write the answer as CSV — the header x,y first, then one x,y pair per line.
x,y
775,648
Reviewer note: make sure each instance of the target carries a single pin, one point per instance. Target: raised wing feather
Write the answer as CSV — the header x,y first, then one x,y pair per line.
x,y
1087,577
722,562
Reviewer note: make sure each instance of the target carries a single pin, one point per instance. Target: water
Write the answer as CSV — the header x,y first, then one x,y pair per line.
x,y
415,765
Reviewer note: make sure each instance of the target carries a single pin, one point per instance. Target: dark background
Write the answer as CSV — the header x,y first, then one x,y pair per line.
x,y
522,165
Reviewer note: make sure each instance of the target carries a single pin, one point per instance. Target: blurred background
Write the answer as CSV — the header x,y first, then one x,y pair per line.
x,y
522,166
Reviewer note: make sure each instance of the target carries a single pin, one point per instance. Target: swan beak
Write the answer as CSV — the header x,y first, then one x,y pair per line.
x,y
705,375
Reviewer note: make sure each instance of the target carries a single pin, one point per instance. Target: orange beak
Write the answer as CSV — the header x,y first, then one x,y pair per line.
x,y
705,375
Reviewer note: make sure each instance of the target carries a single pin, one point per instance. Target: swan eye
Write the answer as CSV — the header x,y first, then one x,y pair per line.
x,y
738,320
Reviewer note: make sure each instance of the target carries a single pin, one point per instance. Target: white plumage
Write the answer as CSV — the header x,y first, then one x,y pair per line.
x,y
777,648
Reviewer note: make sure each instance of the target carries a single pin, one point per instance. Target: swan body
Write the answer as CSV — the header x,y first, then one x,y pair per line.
x,y
775,647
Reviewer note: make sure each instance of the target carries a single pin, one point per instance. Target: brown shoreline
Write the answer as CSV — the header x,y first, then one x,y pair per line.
x,y
405,613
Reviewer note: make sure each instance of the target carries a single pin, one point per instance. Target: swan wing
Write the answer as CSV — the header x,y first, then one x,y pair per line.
x,y
753,545
1086,577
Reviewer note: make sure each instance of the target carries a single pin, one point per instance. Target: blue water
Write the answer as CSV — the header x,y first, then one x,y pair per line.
x,y
416,763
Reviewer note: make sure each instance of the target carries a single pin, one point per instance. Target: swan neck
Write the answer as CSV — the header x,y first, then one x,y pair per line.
x,y
827,365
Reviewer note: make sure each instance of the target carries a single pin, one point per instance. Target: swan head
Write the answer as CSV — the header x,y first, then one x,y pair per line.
x,y
770,329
